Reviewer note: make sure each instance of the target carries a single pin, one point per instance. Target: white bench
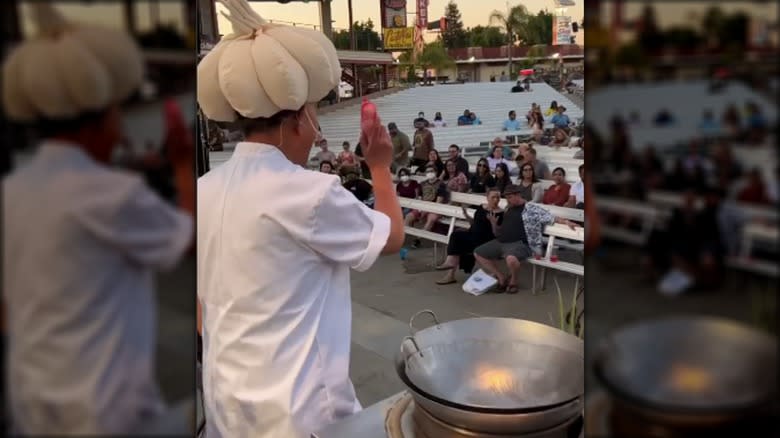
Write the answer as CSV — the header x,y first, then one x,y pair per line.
x,y
449,213
553,232
647,216
752,234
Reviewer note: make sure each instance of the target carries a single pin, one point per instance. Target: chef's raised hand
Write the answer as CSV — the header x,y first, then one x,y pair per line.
x,y
374,139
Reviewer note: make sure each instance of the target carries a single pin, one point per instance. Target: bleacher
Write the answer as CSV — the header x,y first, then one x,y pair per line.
x,y
689,98
491,101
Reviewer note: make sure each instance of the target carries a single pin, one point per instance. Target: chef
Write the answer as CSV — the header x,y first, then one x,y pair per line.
x,y
276,241
81,242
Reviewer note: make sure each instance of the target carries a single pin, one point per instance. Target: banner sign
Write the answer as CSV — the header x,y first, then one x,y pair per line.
x,y
422,13
393,13
400,38
561,30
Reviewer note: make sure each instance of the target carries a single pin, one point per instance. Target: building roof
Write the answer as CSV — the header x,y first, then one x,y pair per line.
x,y
364,57
498,54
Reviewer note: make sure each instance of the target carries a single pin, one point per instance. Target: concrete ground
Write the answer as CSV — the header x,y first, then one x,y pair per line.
x,y
385,297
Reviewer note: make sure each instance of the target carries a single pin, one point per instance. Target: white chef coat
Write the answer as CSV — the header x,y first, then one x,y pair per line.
x,y
275,245
81,241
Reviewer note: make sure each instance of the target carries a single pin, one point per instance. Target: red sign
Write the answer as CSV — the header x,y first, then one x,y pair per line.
x,y
422,13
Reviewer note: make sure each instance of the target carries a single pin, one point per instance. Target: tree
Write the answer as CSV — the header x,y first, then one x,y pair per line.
x,y
650,38
514,23
453,36
435,56
482,36
539,29
366,38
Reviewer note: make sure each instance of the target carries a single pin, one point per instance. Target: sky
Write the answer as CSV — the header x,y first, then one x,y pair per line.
x,y
473,12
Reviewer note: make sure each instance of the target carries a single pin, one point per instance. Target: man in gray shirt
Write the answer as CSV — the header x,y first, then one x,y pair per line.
x,y
541,169
401,147
518,237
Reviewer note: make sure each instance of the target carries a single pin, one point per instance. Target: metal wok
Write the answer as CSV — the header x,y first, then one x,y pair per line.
x,y
490,422
690,370
499,364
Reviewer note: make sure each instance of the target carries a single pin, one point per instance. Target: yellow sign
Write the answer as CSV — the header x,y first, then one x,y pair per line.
x,y
398,38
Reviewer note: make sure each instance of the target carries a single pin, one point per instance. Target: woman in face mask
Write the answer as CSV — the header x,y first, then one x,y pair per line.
x,y
407,187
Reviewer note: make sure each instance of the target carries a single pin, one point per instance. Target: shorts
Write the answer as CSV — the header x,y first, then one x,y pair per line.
x,y
495,250
421,215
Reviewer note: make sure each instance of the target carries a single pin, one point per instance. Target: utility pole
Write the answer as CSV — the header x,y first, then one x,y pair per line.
x,y
510,36
351,28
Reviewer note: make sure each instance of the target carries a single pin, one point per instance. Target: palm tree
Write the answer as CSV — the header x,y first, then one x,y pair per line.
x,y
514,22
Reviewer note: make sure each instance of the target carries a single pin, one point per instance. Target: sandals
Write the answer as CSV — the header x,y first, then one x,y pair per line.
x,y
512,289
444,267
443,282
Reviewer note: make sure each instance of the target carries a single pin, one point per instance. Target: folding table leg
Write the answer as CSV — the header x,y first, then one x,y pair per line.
x,y
533,279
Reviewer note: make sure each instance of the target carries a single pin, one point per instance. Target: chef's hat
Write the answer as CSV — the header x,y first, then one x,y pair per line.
x,y
68,69
263,68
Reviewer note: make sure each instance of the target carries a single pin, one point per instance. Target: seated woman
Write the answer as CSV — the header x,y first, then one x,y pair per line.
x,y
552,110
455,179
460,251
433,160
407,187
558,193
502,177
433,189
560,138
530,188
496,157
482,179
438,121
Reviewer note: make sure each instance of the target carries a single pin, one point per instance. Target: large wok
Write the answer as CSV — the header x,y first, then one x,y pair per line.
x,y
489,422
499,364
690,371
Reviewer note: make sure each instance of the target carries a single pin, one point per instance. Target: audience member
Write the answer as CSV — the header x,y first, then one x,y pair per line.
x,y
460,251
456,180
460,163
577,192
560,138
465,119
558,193
421,119
407,187
552,110
664,118
530,188
434,160
537,125
438,121
708,126
433,189
422,146
401,146
364,171
561,120
518,237
511,124
324,154
326,167
502,177
496,157
731,121
482,179
755,190
346,159
541,169
474,119
518,88
362,190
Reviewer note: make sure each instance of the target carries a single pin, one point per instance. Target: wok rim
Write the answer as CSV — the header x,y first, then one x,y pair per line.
x,y
653,407
401,371
474,407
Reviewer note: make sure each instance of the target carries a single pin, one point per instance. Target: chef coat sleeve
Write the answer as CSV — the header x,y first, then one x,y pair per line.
x,y
138,223
346,231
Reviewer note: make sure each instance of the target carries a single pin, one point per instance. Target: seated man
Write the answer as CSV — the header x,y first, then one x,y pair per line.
x,y
465,119
511,124
518,237
518,88
433,189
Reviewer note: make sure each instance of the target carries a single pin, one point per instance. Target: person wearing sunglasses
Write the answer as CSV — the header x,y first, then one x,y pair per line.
x,y
482,178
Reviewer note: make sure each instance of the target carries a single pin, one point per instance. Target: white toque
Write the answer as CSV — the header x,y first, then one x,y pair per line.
x,y
68,69
263,68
